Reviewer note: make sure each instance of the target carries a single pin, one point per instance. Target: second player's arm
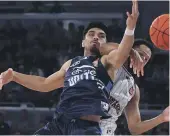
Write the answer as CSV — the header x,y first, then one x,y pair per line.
x,y
132,113
42,84
111,46
118,56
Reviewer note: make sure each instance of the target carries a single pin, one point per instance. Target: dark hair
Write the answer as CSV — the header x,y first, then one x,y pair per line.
x,y
138,42
99,25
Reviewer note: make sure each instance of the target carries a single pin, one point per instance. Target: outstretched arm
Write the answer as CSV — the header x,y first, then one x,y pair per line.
x,y
118,56
36,83
132,113
135,57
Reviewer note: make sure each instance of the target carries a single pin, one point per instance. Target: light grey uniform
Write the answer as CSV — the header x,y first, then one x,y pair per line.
x,y
122,92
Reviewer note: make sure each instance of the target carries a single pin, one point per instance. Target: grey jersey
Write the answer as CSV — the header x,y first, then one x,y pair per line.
x,y
122,92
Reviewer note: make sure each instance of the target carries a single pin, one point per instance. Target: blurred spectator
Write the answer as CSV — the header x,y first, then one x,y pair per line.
x,y
115,30
36,6
40,47
57,8
25,123
36,71
80,35
4,127
72,33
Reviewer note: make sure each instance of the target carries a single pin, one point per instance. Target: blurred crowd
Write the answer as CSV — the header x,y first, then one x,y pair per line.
x,y
36,48
26,123
40,47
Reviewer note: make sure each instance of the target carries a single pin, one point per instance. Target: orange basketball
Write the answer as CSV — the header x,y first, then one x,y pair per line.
x,y
159,32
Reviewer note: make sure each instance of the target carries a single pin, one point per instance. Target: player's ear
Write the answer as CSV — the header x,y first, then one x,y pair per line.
x,y
83,43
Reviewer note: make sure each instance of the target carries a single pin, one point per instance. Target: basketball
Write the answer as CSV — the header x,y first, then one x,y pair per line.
x,y
159,32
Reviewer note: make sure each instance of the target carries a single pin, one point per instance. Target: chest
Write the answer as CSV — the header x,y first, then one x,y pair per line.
x,y
87,68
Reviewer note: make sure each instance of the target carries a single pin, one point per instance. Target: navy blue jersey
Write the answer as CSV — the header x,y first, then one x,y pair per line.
x,y
86,89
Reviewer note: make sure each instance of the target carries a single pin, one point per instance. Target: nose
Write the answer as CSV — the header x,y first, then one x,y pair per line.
x,y
95,38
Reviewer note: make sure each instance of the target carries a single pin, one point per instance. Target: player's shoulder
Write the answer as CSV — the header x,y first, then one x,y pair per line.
x,y
73,61
66,65
77,58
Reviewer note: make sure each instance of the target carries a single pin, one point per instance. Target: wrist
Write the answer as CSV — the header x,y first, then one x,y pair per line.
x,y
129,31
160,118
13,75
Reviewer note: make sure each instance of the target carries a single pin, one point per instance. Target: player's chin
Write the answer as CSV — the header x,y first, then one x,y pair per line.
x,y
95,51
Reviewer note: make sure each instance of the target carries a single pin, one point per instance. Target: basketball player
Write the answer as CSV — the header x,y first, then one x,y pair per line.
x,y
125,97
86,81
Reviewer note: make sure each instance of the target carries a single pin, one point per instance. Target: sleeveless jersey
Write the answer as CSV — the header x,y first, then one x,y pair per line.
x,y
86,89
121,93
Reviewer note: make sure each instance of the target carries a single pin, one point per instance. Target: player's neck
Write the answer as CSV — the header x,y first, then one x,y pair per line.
x,y
88,53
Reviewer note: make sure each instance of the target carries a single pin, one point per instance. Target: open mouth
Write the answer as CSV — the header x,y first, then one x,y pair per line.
x,y
95,43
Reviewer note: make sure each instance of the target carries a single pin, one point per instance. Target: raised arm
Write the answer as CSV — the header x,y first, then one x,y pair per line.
x,y
132,113
118,56
36,83
135,57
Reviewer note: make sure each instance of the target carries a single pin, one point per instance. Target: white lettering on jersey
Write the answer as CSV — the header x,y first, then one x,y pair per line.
x,y
74,64
84,66
80,73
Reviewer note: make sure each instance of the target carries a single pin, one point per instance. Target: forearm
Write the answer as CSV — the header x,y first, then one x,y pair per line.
x,y
125,47
118,56
108,47
146,125
29,81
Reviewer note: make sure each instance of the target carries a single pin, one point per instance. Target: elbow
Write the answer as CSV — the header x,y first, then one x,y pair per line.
x,y
43,90
43,87
135,131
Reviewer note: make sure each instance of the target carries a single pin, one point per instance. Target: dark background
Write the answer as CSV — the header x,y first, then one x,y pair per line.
x,y
38,37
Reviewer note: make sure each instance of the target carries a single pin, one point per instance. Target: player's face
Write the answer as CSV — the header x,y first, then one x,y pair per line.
x,y
144,52
93,39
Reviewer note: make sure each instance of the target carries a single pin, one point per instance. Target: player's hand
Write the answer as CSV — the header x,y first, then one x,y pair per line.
x,y
137,63
165,115
132,18
6,77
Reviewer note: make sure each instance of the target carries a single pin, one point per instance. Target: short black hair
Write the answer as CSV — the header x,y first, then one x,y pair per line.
x,y
99,25
138,42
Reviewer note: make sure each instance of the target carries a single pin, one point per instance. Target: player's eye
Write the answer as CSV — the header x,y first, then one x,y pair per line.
x,y
91,34
102,36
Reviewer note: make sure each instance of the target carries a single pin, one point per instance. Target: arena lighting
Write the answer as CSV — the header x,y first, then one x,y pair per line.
x,y
62,16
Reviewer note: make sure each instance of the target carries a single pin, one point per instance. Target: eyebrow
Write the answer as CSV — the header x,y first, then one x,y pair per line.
x,y
91,31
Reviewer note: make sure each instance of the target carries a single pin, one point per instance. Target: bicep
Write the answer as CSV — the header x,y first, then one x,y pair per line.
x,y
56,80
132,112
